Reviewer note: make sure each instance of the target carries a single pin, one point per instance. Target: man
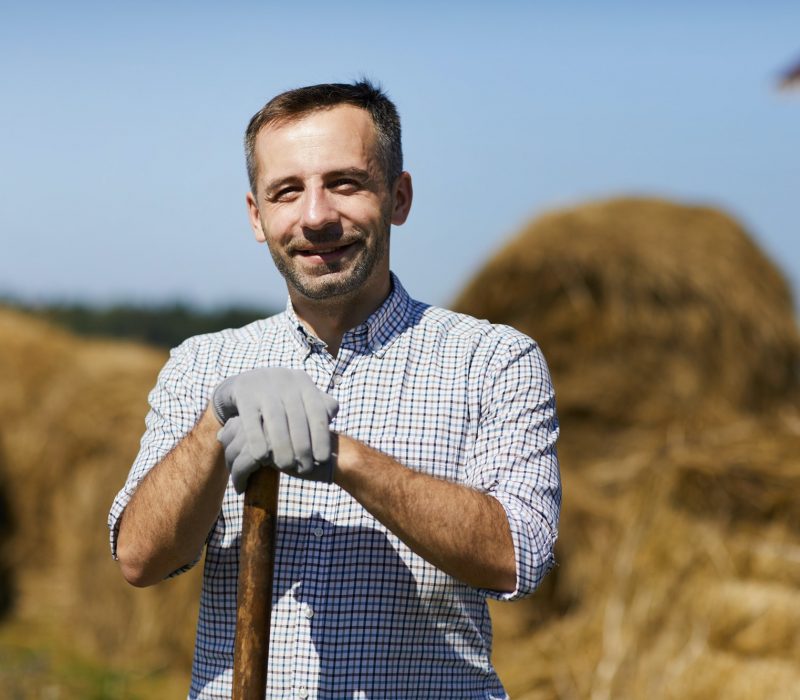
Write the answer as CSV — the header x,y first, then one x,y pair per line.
x,y
418,444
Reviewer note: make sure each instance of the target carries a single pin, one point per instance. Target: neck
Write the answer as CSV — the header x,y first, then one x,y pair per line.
x,y
329,319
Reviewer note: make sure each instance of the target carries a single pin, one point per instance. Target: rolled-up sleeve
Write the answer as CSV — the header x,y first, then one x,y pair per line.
x,y
514,457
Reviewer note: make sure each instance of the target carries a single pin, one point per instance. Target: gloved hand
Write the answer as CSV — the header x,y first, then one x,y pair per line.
x,y
283,416
241,463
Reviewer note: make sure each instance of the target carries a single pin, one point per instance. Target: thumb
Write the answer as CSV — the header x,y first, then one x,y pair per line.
x,y
331,406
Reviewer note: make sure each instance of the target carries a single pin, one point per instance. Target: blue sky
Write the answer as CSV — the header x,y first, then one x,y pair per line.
x,y
120,133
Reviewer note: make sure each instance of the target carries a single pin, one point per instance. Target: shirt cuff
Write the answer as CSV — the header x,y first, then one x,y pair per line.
x,y
534,542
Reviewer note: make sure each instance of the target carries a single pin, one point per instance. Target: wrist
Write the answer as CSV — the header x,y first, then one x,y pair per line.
x,y
206,432
209,421
344,451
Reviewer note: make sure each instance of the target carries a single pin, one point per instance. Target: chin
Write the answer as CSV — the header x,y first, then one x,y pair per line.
x,y
328,286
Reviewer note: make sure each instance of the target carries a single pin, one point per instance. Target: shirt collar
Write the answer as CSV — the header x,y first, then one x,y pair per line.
x,y
373,336
302,336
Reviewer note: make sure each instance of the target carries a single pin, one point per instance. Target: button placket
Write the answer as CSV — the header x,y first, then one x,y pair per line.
x,y
339,369
310,600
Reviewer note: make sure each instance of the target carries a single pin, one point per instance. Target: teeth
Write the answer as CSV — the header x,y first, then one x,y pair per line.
x,y
321,251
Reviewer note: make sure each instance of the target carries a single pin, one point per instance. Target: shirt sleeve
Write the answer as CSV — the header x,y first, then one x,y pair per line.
x,y
514,458
175,407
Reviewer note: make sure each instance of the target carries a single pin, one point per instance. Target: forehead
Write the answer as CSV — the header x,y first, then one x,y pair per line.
x,y
324,140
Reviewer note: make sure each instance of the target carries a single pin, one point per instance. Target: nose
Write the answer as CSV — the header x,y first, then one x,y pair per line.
x,y
318,211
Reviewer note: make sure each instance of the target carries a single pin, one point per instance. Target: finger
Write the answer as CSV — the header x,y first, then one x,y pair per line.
x,y
331,406
227,432
299,430
252,426
241,469
276,427
231,437
233,441
317,420
234,448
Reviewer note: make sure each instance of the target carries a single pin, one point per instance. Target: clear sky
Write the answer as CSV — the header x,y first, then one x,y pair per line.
x,y
122,172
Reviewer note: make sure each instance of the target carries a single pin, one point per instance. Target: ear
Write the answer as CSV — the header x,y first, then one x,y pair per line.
x,y
401,196
255,218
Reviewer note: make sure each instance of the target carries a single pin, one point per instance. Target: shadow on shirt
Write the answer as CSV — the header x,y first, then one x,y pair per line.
x,y
376,629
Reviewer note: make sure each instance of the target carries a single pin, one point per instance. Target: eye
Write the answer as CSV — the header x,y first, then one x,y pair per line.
x,y
345,185
284,194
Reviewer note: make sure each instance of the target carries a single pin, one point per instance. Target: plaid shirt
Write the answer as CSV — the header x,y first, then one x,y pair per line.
x,y
356,614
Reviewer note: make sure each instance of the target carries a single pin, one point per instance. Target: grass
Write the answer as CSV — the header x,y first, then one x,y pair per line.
x,y
40,665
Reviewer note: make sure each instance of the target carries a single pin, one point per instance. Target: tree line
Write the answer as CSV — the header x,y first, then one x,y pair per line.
x,y
164,326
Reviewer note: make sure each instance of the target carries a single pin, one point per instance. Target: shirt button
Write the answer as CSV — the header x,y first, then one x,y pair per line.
x,y
317,531
337,379
302,692
308,612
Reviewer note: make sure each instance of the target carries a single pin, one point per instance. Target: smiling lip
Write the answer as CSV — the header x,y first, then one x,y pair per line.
x,y
325,253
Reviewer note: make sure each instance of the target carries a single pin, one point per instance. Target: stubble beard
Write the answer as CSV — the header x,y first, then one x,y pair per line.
x,y
334,280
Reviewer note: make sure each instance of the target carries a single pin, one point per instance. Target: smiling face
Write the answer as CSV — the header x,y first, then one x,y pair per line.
x,y
323,205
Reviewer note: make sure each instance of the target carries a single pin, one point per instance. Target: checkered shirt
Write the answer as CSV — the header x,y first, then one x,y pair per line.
x,y
355,613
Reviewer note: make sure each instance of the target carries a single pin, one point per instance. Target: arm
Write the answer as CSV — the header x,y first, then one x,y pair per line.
x,y
496,528
160,521
457,529
165,524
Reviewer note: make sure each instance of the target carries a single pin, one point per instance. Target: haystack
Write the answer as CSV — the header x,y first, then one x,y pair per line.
x,y
73,411
7,589
648,312
674,352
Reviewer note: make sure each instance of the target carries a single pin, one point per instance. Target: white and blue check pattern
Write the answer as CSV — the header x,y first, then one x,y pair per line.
x,y
355,613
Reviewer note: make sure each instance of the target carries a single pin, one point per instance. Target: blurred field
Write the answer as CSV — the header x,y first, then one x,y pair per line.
x,y
674,349
73,413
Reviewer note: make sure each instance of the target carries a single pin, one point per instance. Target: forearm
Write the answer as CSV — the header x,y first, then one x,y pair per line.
x,y
174,507
457,529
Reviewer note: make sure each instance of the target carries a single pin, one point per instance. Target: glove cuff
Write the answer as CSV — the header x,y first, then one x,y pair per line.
x,y
219,405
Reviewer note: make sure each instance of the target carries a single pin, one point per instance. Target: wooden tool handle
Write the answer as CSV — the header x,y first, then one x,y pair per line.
x,y
254,596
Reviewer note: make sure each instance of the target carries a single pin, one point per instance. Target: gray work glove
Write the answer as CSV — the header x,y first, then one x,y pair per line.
x,y
242,464
283,416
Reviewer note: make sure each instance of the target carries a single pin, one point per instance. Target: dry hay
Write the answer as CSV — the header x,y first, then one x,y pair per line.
x,y
674,352
73,412
7,590
664,589
647,311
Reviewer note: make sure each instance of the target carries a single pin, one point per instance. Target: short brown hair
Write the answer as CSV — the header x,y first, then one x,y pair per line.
x,y
294,104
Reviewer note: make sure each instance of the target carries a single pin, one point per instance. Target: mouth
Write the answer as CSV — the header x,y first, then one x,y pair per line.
x,y
326,253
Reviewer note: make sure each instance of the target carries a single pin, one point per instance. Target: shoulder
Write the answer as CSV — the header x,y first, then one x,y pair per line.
x,y
464,330
230,337
488,354
222,352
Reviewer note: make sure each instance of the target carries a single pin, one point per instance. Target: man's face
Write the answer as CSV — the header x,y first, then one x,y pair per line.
x,y
323,205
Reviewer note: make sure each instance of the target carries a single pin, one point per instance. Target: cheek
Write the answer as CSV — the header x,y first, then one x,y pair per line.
x,y
277,226
361,212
